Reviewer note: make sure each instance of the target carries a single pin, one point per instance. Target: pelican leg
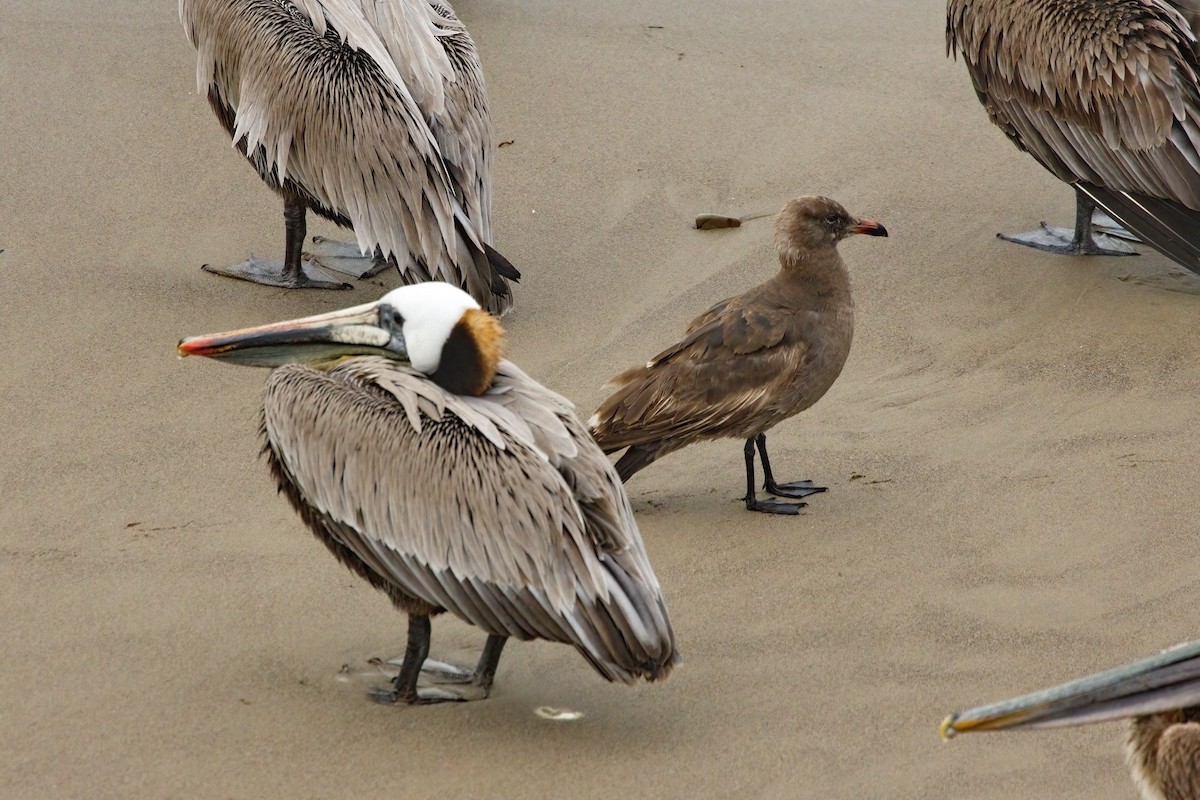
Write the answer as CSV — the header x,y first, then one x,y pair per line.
x,y
795,489
1085,240
404,687
439,672
489,659
751,498
291,273
345,257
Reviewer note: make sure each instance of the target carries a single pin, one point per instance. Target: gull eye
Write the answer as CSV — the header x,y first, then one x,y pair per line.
x,y
832,219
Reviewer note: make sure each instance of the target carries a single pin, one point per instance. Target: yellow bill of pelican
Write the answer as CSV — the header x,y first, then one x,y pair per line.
x,y
1167,681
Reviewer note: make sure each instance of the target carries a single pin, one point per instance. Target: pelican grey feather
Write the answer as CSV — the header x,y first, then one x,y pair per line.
x,y
487,507
496,506
1105,94
372,114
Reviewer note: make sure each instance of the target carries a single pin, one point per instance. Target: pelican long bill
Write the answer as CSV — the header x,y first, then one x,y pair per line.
x,y
1162,682
319,340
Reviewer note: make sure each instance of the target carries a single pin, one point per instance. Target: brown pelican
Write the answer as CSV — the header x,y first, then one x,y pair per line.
x,y
1162,696
749,362
1106,95
371,114
452,481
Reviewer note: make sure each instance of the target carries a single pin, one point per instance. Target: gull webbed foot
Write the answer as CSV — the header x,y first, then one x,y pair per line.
x,y
795,489
773,506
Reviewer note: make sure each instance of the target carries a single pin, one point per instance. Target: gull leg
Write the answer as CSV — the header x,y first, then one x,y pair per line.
x,y
795,489
751,498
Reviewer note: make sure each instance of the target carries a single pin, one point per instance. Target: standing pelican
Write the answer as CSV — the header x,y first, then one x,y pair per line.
x,y
1161,694
452,481
1106,95
371,113
749,362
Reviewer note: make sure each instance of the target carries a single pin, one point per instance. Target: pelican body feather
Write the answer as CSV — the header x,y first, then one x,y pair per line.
x,y
1105,94
372,114
498,508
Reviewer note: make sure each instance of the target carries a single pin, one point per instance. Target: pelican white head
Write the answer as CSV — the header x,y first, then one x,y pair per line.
x,y
427,313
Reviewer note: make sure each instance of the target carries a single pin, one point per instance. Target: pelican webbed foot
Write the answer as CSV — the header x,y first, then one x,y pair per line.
x,y
293,272
428,695
1095,234
451,683
275,273
1063,241
346,258
443,673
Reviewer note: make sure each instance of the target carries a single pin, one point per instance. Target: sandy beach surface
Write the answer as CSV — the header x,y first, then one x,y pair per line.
x,y
1009,450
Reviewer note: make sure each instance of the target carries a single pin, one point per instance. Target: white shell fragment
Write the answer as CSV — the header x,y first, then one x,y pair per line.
x,y
558,714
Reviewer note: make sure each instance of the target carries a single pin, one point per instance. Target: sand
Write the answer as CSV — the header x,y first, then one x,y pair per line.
x,y
1012,500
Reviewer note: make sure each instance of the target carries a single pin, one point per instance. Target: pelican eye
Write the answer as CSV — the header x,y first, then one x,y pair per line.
x,y
390,317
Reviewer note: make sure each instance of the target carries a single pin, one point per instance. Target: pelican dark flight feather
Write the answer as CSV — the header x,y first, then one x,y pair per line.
x,y
1105,94
1161,696
750,361
452,481
372,114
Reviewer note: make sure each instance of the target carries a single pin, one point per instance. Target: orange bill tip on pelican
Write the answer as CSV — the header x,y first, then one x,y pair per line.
x,y
946,729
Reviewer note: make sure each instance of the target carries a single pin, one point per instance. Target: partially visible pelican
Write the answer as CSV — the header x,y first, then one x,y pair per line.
x,y
1162,696
452,481
1106,95
371,113
750,361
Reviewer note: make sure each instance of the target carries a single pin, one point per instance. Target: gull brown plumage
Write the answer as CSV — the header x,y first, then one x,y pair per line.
x,y
1105,94
373,115
495,506
750,361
